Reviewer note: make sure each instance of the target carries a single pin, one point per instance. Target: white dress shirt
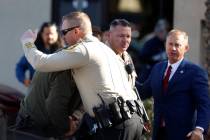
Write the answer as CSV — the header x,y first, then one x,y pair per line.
x,y
174,68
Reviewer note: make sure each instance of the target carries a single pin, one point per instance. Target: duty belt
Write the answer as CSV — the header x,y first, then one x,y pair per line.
x,y
117,112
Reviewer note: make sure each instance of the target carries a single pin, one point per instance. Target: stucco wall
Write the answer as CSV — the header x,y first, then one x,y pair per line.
x,y
15,17
187,16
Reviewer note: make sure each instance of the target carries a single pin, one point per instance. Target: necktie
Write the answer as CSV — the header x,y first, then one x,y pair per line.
x,y
166,78
165,86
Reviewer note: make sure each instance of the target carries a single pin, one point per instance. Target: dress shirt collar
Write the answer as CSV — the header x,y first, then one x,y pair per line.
x,y
174,67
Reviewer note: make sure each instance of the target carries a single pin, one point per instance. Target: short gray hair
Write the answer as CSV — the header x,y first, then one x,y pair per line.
x,y
179,32
80,19
121,22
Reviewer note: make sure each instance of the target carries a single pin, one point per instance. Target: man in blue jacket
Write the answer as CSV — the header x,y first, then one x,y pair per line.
x,y
180,92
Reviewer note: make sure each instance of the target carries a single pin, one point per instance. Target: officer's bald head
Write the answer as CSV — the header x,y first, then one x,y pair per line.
x,y
80,19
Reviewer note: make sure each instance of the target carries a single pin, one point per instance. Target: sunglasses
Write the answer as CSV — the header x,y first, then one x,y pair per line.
x,y
65,31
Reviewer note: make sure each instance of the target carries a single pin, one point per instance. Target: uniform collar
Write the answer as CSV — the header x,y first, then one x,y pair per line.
x,y
90,37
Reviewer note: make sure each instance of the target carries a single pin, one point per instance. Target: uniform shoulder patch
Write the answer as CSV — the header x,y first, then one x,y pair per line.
x,y
29,45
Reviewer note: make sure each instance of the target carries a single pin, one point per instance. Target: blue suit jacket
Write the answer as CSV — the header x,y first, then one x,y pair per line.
x,y
187,94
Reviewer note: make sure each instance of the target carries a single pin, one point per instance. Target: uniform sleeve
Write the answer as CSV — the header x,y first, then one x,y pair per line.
x,y
57,103
201,97
62,60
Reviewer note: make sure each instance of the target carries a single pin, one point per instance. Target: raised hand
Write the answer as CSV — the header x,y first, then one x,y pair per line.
x,y
28,36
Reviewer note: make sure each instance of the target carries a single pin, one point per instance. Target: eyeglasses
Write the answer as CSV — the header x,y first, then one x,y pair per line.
x,y
65,31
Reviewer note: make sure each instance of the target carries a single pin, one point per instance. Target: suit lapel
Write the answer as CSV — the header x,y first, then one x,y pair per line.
x,y
177,75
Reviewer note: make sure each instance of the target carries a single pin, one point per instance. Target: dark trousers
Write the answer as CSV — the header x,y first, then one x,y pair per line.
x,y
25,124
161,134
130,129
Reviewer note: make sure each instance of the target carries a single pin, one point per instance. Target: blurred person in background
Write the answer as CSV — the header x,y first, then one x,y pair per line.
x,y
135,45
48,41
153,50
97,32
105,36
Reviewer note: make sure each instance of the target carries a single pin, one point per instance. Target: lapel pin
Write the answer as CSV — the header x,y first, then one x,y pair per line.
x,y
181,71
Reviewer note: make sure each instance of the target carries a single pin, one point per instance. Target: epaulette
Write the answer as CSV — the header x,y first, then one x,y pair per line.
x,y
72,46
81,41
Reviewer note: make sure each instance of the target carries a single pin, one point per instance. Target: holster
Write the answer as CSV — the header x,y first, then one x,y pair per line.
x,y
117,112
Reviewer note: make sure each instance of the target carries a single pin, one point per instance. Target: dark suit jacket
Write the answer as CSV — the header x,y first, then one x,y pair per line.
x,y
187,94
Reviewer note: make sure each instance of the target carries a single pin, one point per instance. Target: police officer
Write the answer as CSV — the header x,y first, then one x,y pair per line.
x,y
98,73
119,40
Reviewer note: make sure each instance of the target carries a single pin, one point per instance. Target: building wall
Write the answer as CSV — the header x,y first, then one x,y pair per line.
x,y
187,16
16,16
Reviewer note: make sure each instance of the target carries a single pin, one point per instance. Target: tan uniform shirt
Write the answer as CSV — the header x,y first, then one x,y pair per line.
x,y
126,59
96,70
